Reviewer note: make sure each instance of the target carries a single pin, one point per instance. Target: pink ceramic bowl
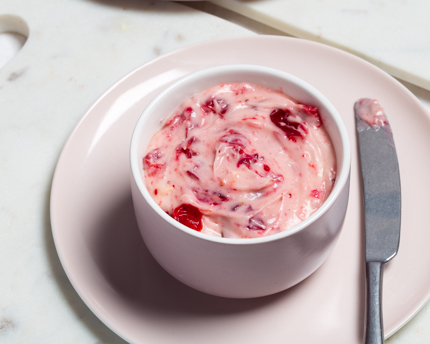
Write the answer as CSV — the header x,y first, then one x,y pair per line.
x,y
239,268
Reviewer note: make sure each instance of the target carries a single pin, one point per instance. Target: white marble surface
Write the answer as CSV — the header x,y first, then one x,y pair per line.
x,y
391,34
10,44
76,49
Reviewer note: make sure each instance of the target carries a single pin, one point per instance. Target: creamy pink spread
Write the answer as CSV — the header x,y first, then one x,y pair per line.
x,y
240,161
370,114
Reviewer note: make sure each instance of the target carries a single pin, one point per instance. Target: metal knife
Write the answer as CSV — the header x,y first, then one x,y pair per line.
x,y
382,205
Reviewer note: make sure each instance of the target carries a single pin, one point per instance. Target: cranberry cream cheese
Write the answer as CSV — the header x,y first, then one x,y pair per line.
x,y
240,161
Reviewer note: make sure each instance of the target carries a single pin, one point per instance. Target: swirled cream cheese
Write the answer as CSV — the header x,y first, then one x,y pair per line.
x,y
370,114
240,161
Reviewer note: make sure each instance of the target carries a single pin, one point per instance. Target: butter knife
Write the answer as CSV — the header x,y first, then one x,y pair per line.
x,y
382,204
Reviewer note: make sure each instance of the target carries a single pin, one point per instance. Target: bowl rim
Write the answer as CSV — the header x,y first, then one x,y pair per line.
x,y
342,176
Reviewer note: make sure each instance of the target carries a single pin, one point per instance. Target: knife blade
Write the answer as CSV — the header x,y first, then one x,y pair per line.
x,y
382,204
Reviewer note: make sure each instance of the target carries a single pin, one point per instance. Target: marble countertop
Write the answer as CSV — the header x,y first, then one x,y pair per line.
x,y
390,34
44,91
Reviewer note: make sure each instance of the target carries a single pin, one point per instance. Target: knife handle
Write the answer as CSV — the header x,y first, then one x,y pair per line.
x,y
374,329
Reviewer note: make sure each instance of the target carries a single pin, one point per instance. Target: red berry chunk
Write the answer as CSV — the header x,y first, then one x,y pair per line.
x,y
187,112
315,193
256,224
234,138
189,153
179,119
150,160
189,216
212,198
312,111
291,128
215,105
235,207
221,196
154,155
192,175
247,160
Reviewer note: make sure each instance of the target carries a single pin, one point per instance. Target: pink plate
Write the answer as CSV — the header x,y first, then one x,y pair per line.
x,y
101,250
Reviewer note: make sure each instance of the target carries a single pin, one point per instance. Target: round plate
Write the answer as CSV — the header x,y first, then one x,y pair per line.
x,y
101,250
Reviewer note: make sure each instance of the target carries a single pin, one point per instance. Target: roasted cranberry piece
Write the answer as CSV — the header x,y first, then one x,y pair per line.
x,y
292,129
179,119
153,155
189,216
193,175
312,111
256,224
233,137
189,153
205,197
315,193
150,160
247,160
153,169
210,197
235,207
187,112
185,149
209,106
221,196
